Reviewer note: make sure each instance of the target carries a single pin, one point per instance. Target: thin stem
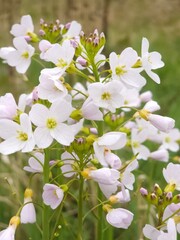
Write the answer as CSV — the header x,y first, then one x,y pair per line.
x,y
45,215
80,209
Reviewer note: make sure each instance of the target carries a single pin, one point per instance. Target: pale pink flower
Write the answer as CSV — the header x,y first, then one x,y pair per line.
x,y
170,140
61,56
146,96
109,141
68,160
44,46
150,61
51,88
21,56
35,163
127,177
74,30
4,53
50,124
121,67
24,28
52,195
9,232
107,95
8,106
160,155
16,136
90,111
171,175
28,213
164,124
119,218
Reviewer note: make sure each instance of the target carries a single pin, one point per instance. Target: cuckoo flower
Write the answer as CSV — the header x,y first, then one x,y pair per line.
x,y
150,61
21,56
16,136
121,67
119,218
109,141
50,124
52,195
9,232
35,163
28,213
172,176
24,28
107,95
61,56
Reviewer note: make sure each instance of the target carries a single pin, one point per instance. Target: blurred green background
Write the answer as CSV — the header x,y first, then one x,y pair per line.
x,y
124,22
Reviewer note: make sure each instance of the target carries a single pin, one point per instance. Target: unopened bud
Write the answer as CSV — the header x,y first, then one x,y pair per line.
x,y
170,187
157,189
176,199
169,196
154,199
143,192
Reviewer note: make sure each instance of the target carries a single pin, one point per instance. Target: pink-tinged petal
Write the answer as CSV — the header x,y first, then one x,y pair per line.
x,y
151,106
42,136
23,65
113,61
13,58
155,59
26,20
8,128
25,123
39,114
20,43
114,140
151,232
119,218
108,190
28,213
56,110
63,134
133,79
74,30
144,47
29,145
90,111
160,155
164,124
153,76
128,57
11,145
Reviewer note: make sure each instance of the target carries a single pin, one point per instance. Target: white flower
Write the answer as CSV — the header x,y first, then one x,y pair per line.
x,y
160,155
119,218
4,53
35,163
107,95
154,234
68,160
8,106
44,45
50,124
121,67
137,138
51,88
90,111
52,195
109,141
74,30
24,28
9,232
170,140
21,56
164,124
16,136
28,213
150,60
127,178
61,56
171,175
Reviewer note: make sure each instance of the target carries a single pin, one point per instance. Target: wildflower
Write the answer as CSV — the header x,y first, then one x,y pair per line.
x,y
121,67
52,195
119,218
170,140
35,163
50,123
150,61
9,232
20,57
172,176
160,155
109,141
28,214
24,28
16,136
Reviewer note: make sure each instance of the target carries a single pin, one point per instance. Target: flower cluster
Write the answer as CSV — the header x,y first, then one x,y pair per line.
x,y
88,123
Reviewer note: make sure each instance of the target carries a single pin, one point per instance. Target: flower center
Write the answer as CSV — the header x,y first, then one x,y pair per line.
x,y
25,54
61,63
106,96
167,139
135,144
120,70
51,123
22,136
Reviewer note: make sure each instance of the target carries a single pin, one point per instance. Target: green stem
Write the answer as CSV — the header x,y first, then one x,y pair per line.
x,y
100,196
45,215
80,209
